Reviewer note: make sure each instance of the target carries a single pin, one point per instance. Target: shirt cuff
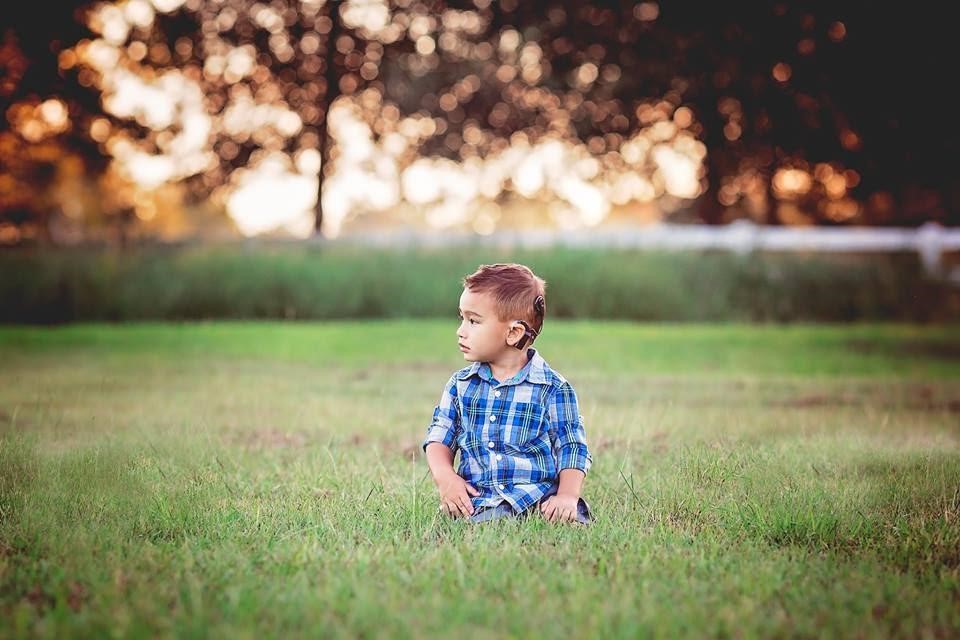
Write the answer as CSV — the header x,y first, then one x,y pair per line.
x,y
574,456
441,434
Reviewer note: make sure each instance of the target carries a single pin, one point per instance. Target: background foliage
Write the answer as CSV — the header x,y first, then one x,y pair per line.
x,y
285,280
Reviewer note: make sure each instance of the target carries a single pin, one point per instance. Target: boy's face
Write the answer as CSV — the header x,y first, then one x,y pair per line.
x,y
483,337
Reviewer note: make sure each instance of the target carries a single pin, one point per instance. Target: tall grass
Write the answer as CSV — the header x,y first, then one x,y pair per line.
x,y
329,282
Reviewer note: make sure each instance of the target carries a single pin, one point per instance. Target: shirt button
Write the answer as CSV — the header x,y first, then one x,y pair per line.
x,y
496,393
490,444
503,486
493,418
499,457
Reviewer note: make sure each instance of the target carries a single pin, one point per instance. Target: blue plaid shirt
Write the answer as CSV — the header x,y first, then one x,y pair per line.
x,y
514,437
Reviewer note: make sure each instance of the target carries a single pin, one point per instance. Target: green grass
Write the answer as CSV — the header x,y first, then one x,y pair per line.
x,y
251,480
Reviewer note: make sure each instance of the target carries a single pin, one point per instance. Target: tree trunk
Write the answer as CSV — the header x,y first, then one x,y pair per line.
x,y
332,93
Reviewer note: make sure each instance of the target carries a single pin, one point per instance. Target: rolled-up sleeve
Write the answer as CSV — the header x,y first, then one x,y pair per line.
x,y
446,417
568,437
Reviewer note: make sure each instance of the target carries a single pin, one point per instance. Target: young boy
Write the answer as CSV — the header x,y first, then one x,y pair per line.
x,y
514,420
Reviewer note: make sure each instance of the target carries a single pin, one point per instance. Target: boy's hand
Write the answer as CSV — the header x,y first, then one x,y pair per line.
x,y
561,507
454,498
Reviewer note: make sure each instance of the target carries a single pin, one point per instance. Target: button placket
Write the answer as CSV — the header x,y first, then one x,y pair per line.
x,y
496,457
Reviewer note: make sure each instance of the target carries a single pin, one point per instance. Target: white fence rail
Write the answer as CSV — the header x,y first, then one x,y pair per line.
x,y
931,241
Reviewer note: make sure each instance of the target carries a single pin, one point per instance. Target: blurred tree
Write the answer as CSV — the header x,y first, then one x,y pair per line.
x,y
783,112
268,74
45,144
836,109
798,115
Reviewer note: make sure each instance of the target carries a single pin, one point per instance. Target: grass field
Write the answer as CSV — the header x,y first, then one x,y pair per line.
x,y
259,480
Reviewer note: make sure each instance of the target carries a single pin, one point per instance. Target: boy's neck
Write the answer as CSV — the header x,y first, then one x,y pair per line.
x,y
507,365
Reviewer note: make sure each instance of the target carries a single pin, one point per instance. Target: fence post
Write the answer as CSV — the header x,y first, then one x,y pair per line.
x,y
928,240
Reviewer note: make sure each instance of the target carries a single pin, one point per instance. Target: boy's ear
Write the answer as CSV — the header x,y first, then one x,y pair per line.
x,y
515,335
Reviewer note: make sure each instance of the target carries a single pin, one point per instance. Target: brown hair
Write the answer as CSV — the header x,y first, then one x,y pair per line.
x,y
518,293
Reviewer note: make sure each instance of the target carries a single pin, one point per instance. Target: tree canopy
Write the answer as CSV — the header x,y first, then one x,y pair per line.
x,y
786,113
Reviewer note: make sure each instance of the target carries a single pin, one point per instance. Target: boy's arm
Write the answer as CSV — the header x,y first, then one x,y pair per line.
x,y
571,482
569,439
439,459
454,491
562,506
569,443
446,419
440,445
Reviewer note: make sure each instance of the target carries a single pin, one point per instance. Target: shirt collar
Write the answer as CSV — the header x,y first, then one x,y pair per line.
x,y
535,370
